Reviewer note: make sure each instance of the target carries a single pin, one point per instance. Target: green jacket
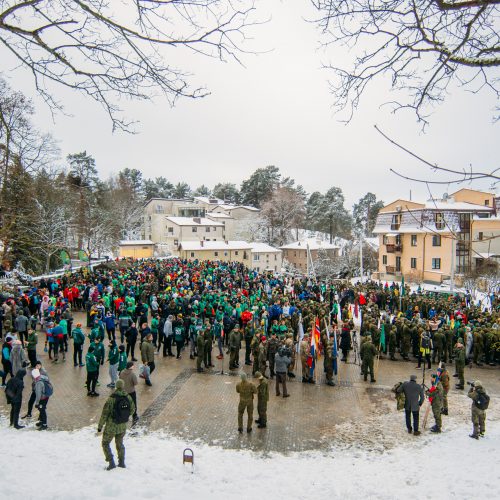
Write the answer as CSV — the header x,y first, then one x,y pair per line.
x,y
122,361
106,420
459,353
246,390
147,352
91,362
32,341
437,396
368,352
263,393
78,336
113,356
200,345
99,352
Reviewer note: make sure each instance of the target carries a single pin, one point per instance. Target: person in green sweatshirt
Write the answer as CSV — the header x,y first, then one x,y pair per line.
x,y
122,359
113,359
92,366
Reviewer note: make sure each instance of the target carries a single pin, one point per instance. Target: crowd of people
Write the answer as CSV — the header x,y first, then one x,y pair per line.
x,y
152,308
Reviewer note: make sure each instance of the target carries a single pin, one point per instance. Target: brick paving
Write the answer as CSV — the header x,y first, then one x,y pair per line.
x,y
196,406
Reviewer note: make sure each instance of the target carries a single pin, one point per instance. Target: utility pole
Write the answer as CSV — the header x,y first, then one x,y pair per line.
x,y
361,256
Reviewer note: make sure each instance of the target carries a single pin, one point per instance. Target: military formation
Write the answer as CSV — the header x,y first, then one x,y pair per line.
x,y
282,324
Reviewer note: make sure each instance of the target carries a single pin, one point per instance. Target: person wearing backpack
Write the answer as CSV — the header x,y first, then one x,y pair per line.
x,y
43,391
114,417
425,349
480,403
14,395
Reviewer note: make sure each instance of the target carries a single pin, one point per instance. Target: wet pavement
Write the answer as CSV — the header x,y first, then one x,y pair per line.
x,y
203,406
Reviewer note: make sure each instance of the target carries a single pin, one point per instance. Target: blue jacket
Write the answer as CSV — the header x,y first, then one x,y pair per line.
x,y
109,321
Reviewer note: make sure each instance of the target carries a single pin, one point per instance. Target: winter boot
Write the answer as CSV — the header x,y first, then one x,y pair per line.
x,y
474,436
111,465
444,411
459,386
121,463
435,429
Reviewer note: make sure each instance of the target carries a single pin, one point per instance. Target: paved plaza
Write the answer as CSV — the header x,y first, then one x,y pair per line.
x,y
196,406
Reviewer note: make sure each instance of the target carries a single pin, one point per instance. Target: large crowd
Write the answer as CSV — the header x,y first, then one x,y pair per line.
x,y
157,309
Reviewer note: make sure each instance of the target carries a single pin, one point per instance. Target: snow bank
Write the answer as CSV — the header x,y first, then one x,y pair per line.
x,y
69,465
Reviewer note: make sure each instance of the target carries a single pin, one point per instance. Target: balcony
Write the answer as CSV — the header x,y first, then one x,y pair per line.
x,y
395,226
393,248
396,271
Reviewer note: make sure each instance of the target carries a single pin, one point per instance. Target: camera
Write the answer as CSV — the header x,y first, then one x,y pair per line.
x,y
470,383
285,351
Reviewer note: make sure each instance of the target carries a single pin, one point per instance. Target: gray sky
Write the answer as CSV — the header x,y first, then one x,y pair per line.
x,y
277,111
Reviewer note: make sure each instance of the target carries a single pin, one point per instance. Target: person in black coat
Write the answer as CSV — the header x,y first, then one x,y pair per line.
x,y
414,394
345,341
14,394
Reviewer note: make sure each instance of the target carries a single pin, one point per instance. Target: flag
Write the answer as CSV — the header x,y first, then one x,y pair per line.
x,y
334,353
311,360
82,255
301,334
382,336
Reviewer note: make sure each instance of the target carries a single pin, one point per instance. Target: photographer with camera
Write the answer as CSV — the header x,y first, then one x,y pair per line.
x,y
480,403
281,362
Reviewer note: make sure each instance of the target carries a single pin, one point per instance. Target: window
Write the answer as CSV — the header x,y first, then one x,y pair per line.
x,y
225,254
194,229
413,263
215,229
398,239
192,254
487,203
216,254
385,240
413,240
295,254
170,229
436,263
207,229
480,236
145,248
384,259
398,264
275,257
436,240
236,252
439,220
396,222
255,256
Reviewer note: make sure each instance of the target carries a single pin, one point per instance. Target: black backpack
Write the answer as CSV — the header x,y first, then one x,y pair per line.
x,y
483,401
121,409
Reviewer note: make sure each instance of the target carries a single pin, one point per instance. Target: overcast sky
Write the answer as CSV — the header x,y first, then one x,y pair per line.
x,y
277,110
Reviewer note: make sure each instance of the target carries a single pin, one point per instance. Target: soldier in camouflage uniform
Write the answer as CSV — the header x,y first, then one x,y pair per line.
x,y
438,343
435,394
262,399
305,347
448,350
445,382
459,353
262,356
406,340
114,430
246,390
368,352
391,331
478,347
290,345
234,348
329,361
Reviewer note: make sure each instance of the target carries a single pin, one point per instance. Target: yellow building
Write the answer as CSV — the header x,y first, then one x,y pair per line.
x,y
424,241
225,251
137,249
296,253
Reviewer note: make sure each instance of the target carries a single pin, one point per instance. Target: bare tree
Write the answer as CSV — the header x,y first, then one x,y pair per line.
x,y
420,46
110,50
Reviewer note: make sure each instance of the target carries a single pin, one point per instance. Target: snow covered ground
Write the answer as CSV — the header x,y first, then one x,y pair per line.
x,y
63,465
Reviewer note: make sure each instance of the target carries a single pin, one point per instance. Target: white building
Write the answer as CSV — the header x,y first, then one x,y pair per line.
x,y
266,257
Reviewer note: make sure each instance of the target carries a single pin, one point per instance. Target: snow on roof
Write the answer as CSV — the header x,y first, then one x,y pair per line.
x,y
136,242
313,243
259,247
218,215
209,200
454,205
214,245
193,221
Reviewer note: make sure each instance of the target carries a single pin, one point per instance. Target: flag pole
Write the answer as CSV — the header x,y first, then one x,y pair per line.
x,y
378,354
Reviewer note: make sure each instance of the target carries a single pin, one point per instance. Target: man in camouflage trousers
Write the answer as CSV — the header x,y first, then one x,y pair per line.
x,y
435,395
262,399
246,390
112,430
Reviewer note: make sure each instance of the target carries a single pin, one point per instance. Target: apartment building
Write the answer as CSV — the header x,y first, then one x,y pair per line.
x,y
425,241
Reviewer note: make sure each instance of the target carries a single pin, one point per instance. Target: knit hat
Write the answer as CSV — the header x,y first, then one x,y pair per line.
x,y
35,373
120,384
478,383
413,377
